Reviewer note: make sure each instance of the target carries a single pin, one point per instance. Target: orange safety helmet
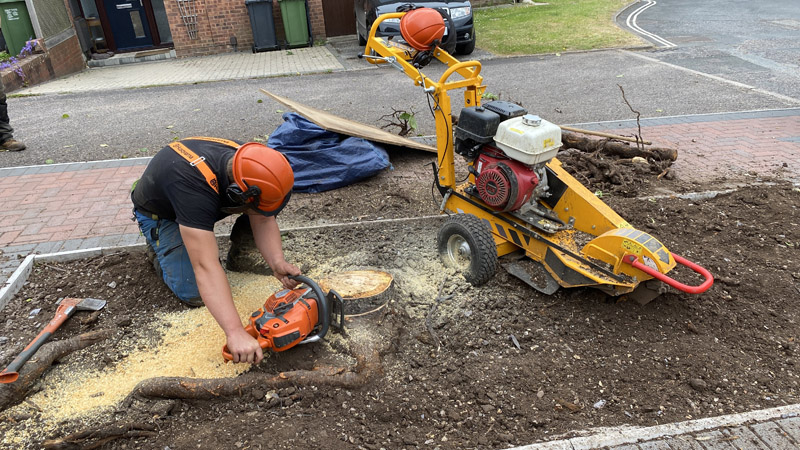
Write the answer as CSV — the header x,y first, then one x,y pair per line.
x,y
422,27
262,178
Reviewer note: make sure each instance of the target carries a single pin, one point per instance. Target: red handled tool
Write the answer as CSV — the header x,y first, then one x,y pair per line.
x,y
294,316
709,279
66,308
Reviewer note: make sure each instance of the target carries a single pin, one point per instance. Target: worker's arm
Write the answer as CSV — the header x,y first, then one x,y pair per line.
x,y
201,245
268,240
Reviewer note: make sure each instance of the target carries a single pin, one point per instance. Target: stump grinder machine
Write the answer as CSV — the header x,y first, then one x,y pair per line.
x,y
516,205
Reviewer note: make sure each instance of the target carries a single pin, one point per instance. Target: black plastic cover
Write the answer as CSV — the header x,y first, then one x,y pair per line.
x,y
478,124
506,110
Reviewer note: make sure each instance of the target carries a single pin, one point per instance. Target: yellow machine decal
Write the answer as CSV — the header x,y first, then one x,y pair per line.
x,y
632,247
548,143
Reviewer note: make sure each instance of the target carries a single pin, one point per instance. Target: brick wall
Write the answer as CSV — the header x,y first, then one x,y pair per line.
x,y
66,57
62,59
218,20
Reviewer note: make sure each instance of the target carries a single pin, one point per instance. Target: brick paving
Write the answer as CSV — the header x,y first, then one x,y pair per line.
x,y
60,207
714,146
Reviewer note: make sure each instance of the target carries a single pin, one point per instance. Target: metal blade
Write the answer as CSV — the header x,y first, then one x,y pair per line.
x,y
91,304
533,274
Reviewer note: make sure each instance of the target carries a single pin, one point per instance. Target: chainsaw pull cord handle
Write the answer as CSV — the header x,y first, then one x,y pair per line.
x,y
709,279
323,307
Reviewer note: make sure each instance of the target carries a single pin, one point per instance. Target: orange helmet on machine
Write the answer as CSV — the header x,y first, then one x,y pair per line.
x,y
262,179
422,28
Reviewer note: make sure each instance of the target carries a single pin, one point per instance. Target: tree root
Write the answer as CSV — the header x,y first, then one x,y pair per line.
x,y
368,364
602,171
14,393
614,148
96,437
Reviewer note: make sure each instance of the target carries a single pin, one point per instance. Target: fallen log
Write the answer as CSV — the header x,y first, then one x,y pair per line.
x,y
97,437
605,135
609,147
14,393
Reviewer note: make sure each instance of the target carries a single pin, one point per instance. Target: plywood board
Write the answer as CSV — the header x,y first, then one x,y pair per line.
x,y
349,127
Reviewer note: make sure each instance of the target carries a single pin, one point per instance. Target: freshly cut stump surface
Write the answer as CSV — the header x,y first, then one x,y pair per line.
x,y
363,291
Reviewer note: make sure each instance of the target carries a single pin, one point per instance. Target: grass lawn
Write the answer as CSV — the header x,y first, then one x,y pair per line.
x,y
558,26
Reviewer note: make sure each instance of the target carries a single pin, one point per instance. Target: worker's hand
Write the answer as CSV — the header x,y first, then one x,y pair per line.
x,y
244,348
282,270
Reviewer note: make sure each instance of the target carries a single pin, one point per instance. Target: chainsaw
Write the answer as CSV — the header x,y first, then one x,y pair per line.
x,y
291,317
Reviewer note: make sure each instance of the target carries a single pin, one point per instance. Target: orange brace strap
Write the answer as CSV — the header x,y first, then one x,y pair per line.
x,y
217,140
197,161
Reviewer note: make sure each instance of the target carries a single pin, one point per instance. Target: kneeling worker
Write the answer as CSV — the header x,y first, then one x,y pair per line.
x,y
186,188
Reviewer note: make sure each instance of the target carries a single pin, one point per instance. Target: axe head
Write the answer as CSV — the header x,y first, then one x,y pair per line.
x,y
83,304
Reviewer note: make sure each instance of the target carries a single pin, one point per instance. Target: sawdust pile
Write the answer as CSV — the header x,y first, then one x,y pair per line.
x,y
190,345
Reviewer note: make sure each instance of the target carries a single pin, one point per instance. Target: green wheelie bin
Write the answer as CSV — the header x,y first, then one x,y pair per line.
x,y
16,25
295,23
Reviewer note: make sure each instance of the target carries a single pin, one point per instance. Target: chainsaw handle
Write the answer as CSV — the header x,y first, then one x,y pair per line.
x,y
264,343
324,308
709,279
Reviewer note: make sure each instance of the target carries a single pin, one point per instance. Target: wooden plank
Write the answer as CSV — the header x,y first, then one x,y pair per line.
x,y
774,436
349,127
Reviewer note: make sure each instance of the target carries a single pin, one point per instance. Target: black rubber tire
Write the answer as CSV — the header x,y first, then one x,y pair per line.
x,y
361,41
467,48
465,243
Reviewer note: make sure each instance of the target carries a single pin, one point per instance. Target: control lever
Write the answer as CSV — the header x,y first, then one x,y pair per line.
x,y
392,60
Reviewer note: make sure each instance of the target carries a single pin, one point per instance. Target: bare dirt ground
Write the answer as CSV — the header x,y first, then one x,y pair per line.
x,y
460,367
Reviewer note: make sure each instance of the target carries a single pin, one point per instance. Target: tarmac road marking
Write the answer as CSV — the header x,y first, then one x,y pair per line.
x,y
781,97
631,23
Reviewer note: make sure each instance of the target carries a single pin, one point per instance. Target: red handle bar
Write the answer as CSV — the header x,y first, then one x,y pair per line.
x,y
634,261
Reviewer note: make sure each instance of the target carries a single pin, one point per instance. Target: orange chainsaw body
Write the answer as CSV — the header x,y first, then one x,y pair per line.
x,y
287,317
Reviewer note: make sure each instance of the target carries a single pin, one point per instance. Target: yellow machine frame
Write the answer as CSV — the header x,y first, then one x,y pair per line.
x,y
604,261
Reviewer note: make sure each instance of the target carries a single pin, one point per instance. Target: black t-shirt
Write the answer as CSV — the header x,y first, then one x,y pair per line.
x,y
174,189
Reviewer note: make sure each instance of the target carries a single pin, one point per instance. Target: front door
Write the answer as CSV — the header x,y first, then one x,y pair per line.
x,y
128,23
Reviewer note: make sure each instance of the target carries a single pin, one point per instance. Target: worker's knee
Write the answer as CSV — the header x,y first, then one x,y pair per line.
x,y
171,257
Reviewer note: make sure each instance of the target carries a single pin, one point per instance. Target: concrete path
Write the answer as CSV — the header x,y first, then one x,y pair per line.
x,y
225,66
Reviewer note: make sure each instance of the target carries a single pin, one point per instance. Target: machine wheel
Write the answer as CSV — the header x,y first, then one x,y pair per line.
x,y
466,244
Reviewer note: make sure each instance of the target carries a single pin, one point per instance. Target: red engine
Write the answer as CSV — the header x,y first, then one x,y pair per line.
x,y
503,183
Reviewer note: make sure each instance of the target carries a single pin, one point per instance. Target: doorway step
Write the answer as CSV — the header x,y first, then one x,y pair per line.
x,y
160,54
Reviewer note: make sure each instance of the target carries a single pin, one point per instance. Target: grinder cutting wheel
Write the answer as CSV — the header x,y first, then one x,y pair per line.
x,y
297,316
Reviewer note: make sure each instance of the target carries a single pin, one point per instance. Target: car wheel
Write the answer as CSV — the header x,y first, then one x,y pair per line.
x,y
466,48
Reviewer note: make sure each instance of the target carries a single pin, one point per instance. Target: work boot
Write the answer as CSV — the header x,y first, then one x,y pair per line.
x,y
243,255
12,145
195,302
151,256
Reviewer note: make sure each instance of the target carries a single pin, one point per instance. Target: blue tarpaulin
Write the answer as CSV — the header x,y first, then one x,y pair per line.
x,y
323,160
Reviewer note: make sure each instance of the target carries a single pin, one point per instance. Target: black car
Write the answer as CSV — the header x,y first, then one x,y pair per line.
x,y
459,10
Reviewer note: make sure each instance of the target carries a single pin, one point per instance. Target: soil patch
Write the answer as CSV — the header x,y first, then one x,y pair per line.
x,y
462,367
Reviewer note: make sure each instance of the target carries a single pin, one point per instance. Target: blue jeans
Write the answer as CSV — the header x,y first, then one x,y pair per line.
x,y
164,237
